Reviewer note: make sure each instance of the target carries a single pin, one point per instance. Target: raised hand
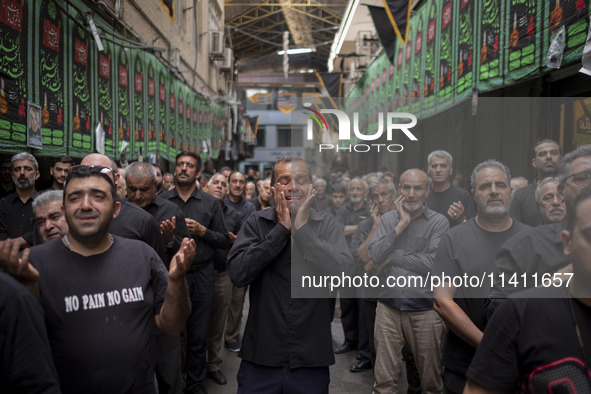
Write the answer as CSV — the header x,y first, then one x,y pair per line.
x,y
182,260
167,230
281,208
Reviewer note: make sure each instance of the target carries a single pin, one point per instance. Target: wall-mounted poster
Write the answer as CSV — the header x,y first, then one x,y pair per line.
x,y
162,118
151,105
172,141
52,79
81,140
447,57
138,103
34,139
416,34
466,38
523,40
574,16
123,101
430,59
14,24
490,72
105,97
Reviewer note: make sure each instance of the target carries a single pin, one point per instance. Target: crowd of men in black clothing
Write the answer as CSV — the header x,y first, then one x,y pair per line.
x,y
102,264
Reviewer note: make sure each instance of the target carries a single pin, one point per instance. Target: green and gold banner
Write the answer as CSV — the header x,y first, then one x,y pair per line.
x,y
523,35
466,76
14,68
490,39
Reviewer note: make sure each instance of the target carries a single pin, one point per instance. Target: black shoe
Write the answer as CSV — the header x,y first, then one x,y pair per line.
x,y
199,389
362,365
218,377
233,347
358,356
345,348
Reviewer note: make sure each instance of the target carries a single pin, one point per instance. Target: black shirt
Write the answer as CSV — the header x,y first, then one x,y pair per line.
x,y
524,207
99,312
207,211
26,365
4,192
16,218
468,249
162,210
320,204
135,223
535,250
243,207
531,343
350,217
233,224
281,330
440,202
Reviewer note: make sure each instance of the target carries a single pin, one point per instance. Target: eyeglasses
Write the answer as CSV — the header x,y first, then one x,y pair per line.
x,y
92,169
581,178
80,170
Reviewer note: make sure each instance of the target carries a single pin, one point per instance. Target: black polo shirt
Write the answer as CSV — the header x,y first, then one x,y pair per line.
x,y
281,330
16,217
243,207
207,211
162,210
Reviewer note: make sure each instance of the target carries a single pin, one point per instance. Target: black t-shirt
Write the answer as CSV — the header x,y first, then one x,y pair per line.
x,y
524,207
135,223
468,249
26,365
440,202
100,313
532,343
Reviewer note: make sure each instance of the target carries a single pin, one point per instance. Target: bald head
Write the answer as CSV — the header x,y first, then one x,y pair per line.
x,y
96,159
414,187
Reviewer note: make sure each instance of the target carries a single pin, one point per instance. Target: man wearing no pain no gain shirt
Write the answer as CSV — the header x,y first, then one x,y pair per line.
x,y
103,294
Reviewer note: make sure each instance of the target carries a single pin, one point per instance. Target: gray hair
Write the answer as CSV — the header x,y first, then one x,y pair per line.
x,y
564,165
48,197
141,170
381,181
538,192
320,180
358,179
442,154
24,156
487,164
216,175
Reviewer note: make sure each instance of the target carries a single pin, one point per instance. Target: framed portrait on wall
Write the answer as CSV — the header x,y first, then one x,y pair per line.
x,y
34,138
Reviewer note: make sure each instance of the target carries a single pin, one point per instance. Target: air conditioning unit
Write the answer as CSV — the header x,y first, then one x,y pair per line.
x,y
352,71
228,59
216,44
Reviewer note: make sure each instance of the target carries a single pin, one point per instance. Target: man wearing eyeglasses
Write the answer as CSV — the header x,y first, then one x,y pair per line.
x,y
205,222
546,155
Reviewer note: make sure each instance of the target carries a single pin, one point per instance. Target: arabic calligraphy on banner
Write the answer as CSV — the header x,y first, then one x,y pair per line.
x,y
13,81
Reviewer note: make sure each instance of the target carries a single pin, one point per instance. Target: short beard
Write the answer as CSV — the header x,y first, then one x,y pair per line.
x,y
23,186
495,212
